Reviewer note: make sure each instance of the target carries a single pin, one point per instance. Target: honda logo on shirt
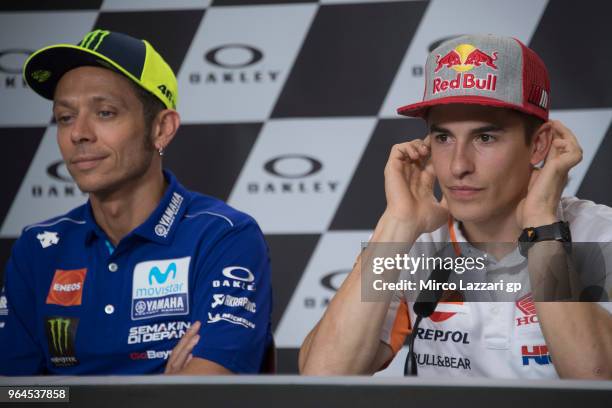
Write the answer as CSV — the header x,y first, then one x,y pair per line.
x,y
67,287
539,354
527,307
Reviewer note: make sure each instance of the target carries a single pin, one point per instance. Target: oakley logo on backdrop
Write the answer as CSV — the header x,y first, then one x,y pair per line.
x,y
234,64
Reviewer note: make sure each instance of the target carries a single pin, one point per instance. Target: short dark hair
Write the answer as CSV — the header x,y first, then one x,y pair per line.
x,y
151,105
531,124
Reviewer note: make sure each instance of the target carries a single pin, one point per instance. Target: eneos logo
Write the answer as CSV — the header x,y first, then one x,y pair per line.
x,y
67,287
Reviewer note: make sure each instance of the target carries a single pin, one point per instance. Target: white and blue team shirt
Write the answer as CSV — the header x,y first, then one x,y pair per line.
x,y
74,304
494,339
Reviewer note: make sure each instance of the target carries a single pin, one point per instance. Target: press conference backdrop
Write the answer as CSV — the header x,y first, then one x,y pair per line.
x,y
288,112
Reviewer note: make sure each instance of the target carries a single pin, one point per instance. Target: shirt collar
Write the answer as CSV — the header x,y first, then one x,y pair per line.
x,y
94,230
456,236
467,249
161,225
163,222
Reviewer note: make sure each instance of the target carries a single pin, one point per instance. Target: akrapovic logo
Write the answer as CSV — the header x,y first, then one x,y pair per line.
x,y
61,332
220,299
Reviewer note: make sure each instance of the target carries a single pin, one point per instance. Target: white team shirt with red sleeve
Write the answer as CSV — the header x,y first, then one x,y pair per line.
x,y
493,339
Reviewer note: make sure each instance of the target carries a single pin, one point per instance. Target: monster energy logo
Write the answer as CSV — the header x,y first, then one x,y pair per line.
x,y
93,40
60,336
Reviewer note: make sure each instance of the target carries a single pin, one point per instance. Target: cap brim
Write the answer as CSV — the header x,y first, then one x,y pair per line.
x,y
43,69
420,109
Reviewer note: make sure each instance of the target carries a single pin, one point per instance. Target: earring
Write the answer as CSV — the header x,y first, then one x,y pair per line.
x,y
160,151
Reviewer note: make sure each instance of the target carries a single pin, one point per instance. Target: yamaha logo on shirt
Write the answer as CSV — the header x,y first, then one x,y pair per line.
x,y
160,288
167,219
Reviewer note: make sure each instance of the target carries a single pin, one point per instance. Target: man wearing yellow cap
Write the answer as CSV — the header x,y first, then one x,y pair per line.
x,y
113,285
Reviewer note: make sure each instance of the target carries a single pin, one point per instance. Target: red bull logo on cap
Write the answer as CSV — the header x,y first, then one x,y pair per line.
x,y
465,57
462,59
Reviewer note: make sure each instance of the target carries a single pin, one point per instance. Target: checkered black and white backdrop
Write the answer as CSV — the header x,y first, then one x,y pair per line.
x,y
288,112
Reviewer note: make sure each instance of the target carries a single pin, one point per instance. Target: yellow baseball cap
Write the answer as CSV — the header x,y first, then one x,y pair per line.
x,y
136,59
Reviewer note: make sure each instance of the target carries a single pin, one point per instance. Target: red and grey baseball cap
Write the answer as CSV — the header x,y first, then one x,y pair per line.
x,y
484,70
126,55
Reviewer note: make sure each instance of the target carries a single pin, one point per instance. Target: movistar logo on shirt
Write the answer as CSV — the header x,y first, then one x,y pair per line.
x,y
167,219
160,288
160,276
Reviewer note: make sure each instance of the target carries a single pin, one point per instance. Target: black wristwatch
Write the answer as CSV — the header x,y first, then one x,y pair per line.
x,y
559,231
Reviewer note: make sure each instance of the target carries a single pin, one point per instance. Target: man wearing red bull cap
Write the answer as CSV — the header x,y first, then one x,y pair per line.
x,y
146,277
486,104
